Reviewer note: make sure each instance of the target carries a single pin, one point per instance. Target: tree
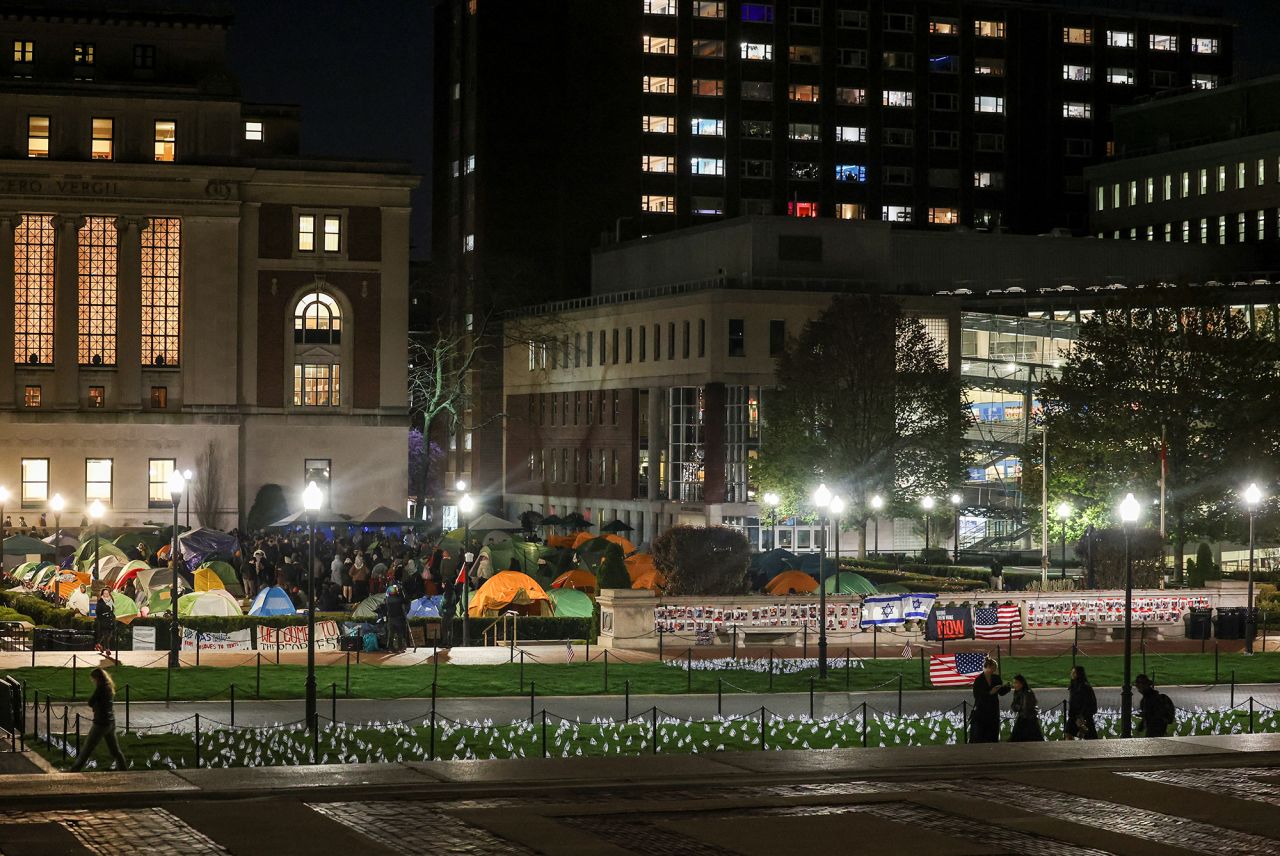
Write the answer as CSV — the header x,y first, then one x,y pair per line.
x,y
1146,552
269,505
699,560
1202,377
440,386
611,573
208,489
866,403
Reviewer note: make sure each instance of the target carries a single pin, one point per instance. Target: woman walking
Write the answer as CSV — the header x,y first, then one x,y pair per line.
x,y
1026,713
104,722
1082,706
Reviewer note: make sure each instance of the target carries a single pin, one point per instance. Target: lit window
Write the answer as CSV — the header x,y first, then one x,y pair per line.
x,y
707,127
989,66
851,172
850,96
332,233
659,7
82,53
807,54
23,50
707,205
707,87
1185,185
988,104
995,181
161,291
989,29
1077,110
1240,175
1186,231
35,482
658,124
944,64
1122,76
1204,81
944,26
37,136
97,297
804,131
759,13
850,134
470,165
159,397
97,480
253,131
166,139
850,211
1149,190
1204,46
469,243
658,204
658,44
658,163
317,320
1081,73
708,9
31,395
896,213
805,170
1077,35
1120,39
33,250
898,98
796,208
97,396
944,216
1262,171
706,166
316,385
707,48
1133,193
1164,42
659,84
306,233
803,92
103,141
1204,181
756,50
1222,178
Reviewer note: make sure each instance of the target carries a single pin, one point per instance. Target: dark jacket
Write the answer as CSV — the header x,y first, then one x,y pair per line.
x,y
1026,721
1154,721
984,722
1082,706
103,704
397,614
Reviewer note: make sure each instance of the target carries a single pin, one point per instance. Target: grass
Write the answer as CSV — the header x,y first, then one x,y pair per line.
x,y
579,678
390,742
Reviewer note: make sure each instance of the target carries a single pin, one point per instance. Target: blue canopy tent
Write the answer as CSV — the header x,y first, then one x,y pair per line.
x,y
272,601
425,607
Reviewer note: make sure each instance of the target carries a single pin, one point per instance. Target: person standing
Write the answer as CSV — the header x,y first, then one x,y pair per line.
x,y
397,620
359,578
984,721
1026,713
104,722
104,622
997,575
1082,706
1156,711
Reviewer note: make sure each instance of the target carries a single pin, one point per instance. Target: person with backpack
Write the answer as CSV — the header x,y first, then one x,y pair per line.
x,y
1155,711
1082,706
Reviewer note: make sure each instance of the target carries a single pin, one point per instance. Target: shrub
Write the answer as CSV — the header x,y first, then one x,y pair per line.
x,y
268,506
700,560
1147,553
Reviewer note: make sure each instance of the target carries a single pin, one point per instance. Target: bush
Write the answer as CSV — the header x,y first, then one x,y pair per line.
x,y
268,506
1202,567
45,614
700,560
935,556
1147,553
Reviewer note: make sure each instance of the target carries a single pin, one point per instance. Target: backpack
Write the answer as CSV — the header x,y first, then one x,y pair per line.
x,y
1167,711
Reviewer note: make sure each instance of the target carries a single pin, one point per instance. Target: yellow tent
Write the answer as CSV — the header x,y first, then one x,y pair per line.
x,y
510,590
206,579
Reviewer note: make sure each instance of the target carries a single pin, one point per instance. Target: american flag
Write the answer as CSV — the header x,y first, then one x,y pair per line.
x,y
906,650
568,652
955,670
997,622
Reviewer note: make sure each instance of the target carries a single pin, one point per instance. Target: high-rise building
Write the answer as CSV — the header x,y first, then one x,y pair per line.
x,y
179,288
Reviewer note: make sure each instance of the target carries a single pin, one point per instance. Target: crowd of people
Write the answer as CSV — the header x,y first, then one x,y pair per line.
x,y
1156,711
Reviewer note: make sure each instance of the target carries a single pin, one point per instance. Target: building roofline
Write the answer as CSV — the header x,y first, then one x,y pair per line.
x,y
163,12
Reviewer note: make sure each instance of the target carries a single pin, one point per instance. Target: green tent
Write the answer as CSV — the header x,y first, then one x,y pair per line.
x,y
226,573
158,598
571,603
892,588
84,553
127,540
591,553
25,545
847,582
27,570
126,607
367,610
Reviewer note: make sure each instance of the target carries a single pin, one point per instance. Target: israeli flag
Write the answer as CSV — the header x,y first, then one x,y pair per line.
x,y
881,610
915,607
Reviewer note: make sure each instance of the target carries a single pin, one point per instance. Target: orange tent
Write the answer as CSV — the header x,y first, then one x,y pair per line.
x,y
69,581
788,581
651,580
639,565
580,539
510,590
560,541
581,580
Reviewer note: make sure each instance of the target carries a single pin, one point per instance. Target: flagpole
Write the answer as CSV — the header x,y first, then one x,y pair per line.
x,y
1044,508
1164,469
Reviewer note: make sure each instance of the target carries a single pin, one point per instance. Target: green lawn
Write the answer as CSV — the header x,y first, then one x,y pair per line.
x,y
558,738
370,681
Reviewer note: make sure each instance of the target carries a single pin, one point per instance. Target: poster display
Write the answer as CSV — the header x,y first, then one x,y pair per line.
x,y
949,622
891,610
780,614
295,638
1068,612
236,640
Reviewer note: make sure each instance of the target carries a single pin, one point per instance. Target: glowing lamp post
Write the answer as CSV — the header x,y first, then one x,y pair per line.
x,y
177,484
926,504
956,499
877,505
1129,511
466,505
1252,497
822,501
56,505
312,498
772,500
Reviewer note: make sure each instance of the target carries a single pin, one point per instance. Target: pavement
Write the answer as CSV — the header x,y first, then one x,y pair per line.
x,y
144,715
1168,796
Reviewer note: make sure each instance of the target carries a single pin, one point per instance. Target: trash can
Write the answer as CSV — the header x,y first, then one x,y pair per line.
x,y
1230,623
12,704
1200,624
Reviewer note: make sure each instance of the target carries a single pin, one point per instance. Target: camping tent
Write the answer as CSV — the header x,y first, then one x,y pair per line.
x,y
272,601
24,545
570,603
575,580
651,580
789,581
216,602
583,538
323,518
201,543
509,590
206,580
892,588
639,565
847,582
61,541
367,610
226,573
770,563
383,516
426,607
84,553
126,540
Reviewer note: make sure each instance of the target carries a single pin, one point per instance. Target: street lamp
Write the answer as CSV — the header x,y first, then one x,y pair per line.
x,y
177,483
186,475
311,500
877,504
465,506
822,500
4,497
56,504
771,499
956,499
1064,514
927,504
95,514
1129,510
1252,496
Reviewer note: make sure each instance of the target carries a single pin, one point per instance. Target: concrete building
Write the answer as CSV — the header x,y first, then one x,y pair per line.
x,y
178,287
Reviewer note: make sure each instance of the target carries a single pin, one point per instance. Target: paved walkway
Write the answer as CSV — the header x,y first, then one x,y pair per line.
x,y
1172,797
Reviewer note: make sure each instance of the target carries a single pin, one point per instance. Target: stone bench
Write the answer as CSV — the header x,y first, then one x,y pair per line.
x,y
769,635
1115,632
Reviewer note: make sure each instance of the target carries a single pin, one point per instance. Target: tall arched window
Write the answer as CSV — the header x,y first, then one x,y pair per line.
x,y
317,351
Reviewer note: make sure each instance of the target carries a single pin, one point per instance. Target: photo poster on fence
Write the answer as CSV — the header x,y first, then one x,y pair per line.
x,y
677,618
949,622
1068,612
144,638
295,638
891,610
236,640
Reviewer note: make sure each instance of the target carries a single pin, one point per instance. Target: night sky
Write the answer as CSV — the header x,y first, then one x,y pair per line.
x,y
361,70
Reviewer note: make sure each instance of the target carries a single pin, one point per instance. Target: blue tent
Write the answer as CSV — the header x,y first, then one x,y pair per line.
x,y
272,601
425,607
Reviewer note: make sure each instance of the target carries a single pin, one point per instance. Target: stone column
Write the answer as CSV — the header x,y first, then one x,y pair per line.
x,y
128,391
66,313
8,222
657,441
